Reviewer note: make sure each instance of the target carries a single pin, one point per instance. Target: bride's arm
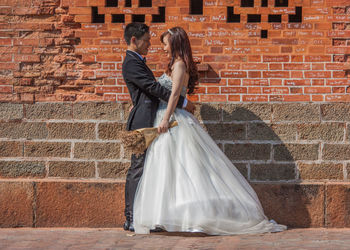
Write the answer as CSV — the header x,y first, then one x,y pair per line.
x,y
178,78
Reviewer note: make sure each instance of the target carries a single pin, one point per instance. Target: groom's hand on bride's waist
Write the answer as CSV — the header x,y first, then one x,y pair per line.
x,y
190,107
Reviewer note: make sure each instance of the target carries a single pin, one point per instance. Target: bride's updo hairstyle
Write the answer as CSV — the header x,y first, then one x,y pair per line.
x,y
180,47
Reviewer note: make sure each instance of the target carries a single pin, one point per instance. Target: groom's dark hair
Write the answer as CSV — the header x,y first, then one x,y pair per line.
x,y
135,29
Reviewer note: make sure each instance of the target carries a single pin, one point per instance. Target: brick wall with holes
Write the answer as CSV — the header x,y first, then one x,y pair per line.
x,y
247,50
273,93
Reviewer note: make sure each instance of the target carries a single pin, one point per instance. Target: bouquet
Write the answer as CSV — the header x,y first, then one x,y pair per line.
x,y
137,141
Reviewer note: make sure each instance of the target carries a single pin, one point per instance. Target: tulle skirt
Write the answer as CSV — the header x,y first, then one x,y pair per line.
x,y
189,185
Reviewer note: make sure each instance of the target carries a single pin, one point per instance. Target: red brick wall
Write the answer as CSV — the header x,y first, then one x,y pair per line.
x,y
51,50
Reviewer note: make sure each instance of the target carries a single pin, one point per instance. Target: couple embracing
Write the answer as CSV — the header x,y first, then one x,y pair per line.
x,y
183,182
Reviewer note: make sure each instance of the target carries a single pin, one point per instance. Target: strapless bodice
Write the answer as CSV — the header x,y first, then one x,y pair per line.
x,y
166,82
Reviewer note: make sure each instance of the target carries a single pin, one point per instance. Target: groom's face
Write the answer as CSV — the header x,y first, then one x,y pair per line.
x,y
143,44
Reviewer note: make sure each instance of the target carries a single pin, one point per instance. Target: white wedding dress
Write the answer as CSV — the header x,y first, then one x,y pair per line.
x,y
189,185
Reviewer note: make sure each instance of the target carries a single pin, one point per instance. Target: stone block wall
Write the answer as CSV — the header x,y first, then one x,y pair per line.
x,y
67,157
267,142
79,140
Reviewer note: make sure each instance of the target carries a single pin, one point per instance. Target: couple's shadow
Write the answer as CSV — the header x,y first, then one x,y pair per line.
x,y
255,144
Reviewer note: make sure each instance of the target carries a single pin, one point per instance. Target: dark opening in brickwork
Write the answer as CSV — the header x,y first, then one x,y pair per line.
x,y
95,17
145,3
127,3
138,18
118,18
275,18
253,18
232,18
111,3
297,18
159,18
196,7
281,3
263,34
247,3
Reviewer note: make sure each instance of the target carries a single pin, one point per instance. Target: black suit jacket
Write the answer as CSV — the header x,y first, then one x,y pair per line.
x,y
144,90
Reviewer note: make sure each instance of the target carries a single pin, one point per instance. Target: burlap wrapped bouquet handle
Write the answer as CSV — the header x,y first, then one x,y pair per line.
x,y
137,141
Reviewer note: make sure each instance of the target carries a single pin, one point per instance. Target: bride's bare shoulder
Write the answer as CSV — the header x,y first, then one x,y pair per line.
x,y
179,65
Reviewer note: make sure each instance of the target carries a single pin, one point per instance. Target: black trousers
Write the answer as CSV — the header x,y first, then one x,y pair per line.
x,y
132,179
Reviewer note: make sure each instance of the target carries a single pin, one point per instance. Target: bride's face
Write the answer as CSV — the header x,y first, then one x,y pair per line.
x,y
166,45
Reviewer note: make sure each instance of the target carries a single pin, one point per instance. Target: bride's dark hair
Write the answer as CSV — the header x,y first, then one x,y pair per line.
x,y
181,47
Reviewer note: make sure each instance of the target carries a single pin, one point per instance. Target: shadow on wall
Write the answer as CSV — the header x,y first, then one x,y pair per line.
x,y
208,75
262,157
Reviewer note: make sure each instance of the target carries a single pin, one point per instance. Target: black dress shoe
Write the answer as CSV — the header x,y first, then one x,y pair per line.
x,y
126,225
131,227
157,230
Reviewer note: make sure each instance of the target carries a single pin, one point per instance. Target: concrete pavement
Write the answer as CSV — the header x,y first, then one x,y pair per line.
x,y
116,238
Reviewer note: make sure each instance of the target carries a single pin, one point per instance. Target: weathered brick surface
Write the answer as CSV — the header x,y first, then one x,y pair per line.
x,y
324,171
93,150
227,132
65,203
74,169
324,131
337,205
262,148
293,152
11,149
64,130
247,112
16,169
28,130
10,111
248,151
262,131
272,172
253,138
335,112
48,111
47,149
206,112
97,111
116,170
336,152
70,57
284,132
79,204
110,131
296,112
295,205
16,204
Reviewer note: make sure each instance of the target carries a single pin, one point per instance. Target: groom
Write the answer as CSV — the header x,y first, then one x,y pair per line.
x,y
145,93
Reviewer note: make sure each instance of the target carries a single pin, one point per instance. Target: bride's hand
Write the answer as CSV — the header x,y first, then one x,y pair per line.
x,y
163,126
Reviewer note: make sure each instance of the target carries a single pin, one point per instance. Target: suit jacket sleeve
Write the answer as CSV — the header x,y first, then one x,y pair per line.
x,y
137,73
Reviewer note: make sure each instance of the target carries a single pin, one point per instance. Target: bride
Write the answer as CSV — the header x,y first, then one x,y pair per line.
x,y
188,184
